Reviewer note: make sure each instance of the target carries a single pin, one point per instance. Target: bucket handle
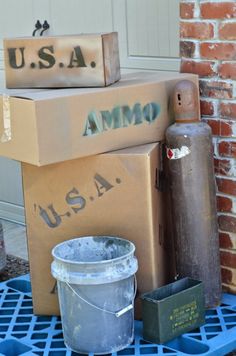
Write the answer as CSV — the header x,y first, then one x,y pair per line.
x,y
117,314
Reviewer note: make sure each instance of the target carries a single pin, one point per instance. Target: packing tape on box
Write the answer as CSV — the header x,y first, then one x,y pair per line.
x,y
6,136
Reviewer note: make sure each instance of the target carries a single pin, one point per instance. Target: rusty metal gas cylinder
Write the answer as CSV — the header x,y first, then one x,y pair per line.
x,y
192,184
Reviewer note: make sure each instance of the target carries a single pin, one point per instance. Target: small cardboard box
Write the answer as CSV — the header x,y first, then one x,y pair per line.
x,y
109,194
172,310
90,60
49,126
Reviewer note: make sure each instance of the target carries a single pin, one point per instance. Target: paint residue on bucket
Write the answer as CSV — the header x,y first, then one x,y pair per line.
x,y
95,277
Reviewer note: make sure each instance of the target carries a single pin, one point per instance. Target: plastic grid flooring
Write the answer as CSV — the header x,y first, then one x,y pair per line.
x,y
22,333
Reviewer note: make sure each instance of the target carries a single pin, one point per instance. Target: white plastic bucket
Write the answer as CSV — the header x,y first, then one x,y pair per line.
x,y
95,278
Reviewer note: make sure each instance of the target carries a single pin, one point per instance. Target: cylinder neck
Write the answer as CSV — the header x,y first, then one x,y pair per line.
x,y
186,121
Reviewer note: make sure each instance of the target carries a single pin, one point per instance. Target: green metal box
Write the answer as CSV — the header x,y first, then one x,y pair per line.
x,y
172,310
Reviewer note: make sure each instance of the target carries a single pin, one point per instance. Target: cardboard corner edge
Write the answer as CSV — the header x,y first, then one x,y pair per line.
x,y
15,149
110,47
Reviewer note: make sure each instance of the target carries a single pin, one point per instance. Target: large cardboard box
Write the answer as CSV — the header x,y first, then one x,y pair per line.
x,y
109,194
44,127
87,60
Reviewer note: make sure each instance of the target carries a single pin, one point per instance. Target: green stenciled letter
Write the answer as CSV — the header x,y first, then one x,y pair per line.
x,y
101,184
133,116
56,218
151,111
47,57
77,58
92,125
123,116
116,115
73,198
107,120
12,57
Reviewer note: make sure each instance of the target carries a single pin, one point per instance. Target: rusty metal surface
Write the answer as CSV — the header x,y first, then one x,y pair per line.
x,y
194,208
193,193
185,102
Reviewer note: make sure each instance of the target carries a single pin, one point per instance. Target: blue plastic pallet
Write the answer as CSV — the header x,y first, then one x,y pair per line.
x,y
22,333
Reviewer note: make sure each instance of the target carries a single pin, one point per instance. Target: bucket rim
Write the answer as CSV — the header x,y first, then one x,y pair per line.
x,y
92,263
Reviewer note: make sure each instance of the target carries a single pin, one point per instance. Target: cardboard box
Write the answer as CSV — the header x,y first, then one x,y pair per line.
x,y
44,127
90,60
109,194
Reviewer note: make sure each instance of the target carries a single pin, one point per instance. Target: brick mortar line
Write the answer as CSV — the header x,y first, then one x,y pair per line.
x,y
231,234
229,101
228,250
226,178
226,214
231,197
218,79
209,100
217,118
199,20
203,20
224,195
216,64
227,139
230,177
210,40
204,1
225,158
219,213
212,79
199,60
213,61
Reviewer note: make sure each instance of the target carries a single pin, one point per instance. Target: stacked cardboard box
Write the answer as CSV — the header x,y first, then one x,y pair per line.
x,y
48,126
86,60
114,193
109,194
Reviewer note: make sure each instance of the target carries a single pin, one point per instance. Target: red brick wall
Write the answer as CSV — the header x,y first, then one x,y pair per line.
x,y
208,48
